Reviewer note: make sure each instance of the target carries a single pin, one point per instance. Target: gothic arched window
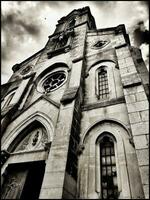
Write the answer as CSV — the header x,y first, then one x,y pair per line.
x,y
103,90
109,186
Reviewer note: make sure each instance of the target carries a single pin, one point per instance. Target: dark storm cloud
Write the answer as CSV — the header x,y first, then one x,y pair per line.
x,y
105,3
141,34
17,26
25,25
146,3
13,20
50,4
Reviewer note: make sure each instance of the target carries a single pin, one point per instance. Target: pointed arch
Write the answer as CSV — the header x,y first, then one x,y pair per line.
x,y
40,117
99,122
99,62
120,135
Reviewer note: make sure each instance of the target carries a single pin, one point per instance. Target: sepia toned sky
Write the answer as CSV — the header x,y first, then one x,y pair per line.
x,y
26,25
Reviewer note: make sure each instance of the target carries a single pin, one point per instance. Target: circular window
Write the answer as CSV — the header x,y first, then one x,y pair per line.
x,y
54,81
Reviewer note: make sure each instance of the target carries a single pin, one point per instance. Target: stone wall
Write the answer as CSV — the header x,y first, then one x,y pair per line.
x,y
137,106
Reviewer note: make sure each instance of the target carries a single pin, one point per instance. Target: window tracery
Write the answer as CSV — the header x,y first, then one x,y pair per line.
x,y
54,81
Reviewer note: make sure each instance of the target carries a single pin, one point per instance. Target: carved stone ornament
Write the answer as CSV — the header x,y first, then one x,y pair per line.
x,y
100,44
26,70
10,188
34,140
4,156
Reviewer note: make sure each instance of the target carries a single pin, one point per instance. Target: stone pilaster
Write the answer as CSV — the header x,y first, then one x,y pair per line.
x,y
137,107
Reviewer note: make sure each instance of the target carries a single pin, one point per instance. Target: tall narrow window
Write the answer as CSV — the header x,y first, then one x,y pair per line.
x,y
103,91
109,186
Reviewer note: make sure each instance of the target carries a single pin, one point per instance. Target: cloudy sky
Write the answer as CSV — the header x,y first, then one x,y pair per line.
x,y
26,25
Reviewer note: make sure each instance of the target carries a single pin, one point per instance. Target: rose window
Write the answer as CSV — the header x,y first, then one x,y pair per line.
x,y
54,81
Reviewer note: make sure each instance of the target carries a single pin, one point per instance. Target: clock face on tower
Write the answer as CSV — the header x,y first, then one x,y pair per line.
x,y
54,81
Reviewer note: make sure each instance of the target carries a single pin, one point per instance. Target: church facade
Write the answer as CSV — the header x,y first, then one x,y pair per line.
x,y
75,117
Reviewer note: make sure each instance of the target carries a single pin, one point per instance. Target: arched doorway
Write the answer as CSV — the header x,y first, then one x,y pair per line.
x,y
24,170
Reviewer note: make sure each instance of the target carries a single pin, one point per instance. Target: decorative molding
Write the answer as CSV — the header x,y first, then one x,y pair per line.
x,y
56,52
51,101
69,95
35,139
121,45
120,29
78,59
130,80
57,105
39,117
4,156
103,104
132,141
80,149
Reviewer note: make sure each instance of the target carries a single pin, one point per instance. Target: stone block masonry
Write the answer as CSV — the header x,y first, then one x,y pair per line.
x,y
137,107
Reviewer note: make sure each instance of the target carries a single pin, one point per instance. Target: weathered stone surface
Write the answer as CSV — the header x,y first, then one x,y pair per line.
x,y
130,79
130,98
140,128
144,115
140,142
129,61
145,174
133,90
140,96
134,117
53,179
69,94
143,157
137,106
146,191
51,193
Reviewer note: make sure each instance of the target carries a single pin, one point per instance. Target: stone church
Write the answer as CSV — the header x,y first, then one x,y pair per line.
x,y
75,117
